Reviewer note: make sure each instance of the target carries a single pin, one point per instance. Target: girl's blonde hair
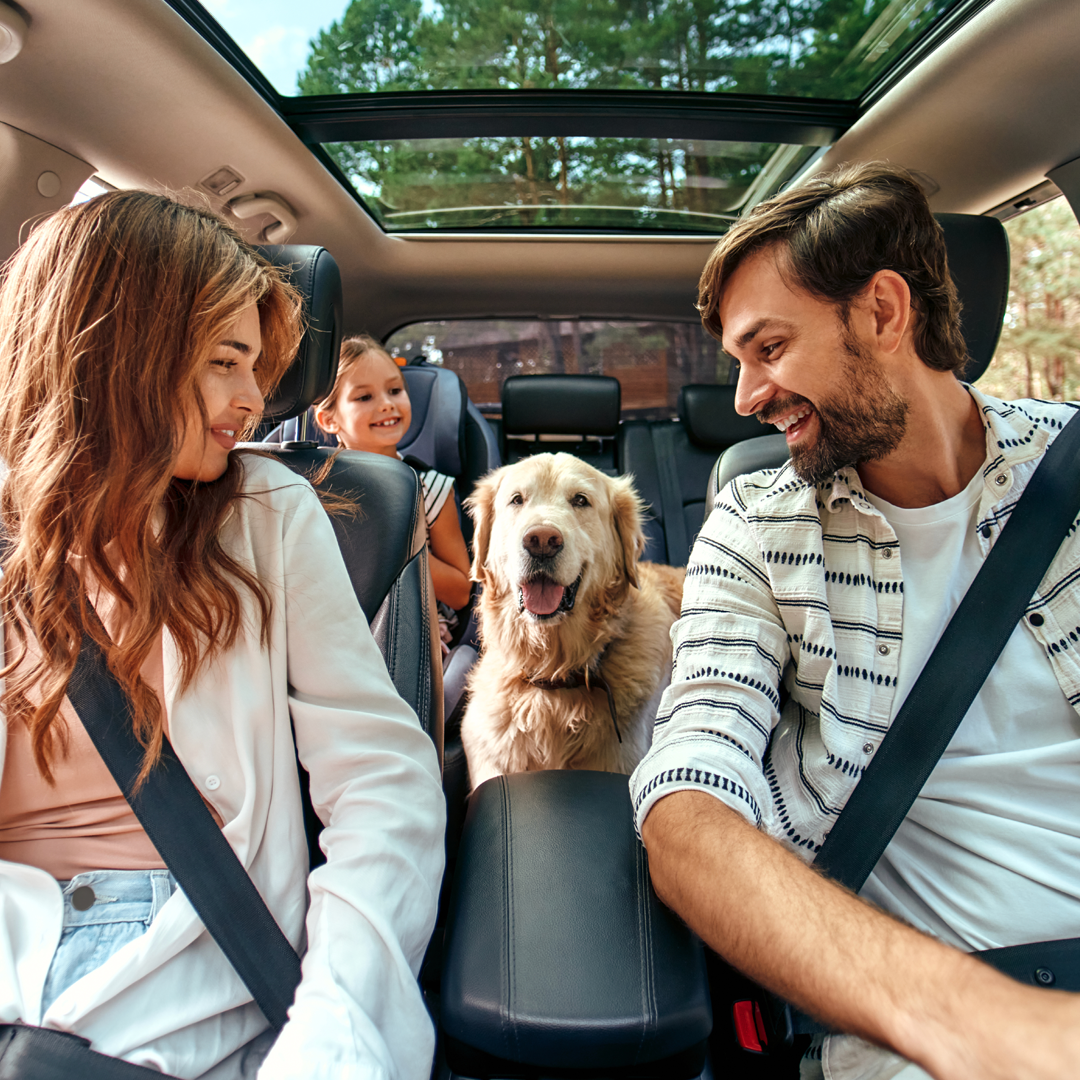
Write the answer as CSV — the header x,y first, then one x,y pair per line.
x,y
108,314
352,349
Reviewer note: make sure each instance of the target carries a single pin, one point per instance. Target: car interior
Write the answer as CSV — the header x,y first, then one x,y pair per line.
x,y
552,957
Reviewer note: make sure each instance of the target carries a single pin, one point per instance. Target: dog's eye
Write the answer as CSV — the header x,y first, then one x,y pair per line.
x,y
516,499
579,500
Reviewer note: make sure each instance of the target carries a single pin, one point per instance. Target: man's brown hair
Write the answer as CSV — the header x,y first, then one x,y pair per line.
x,y
836,231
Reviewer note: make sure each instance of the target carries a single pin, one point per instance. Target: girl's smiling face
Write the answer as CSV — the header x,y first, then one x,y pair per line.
x,y
372,410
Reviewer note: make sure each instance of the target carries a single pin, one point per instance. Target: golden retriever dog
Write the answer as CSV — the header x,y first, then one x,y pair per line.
x,y
574,629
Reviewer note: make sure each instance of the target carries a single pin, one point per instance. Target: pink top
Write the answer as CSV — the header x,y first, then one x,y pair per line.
x,y
83,822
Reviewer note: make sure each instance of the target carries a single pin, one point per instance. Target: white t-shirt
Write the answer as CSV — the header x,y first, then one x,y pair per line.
x,y
989,854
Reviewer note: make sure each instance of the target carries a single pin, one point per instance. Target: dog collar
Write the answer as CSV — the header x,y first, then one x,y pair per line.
x,y
574,681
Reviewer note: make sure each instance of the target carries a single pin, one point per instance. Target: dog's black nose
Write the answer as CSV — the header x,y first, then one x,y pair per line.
x,y
542,542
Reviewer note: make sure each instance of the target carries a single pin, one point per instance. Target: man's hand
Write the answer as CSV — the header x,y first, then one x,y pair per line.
x,y
853,966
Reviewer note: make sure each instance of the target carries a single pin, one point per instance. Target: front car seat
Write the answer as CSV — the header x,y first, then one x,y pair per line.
x,y
385,544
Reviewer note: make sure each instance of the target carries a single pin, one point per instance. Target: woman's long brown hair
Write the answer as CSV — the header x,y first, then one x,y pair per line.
x,y
108,314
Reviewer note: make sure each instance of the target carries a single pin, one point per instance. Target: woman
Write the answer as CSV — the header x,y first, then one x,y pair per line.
x,y
137,339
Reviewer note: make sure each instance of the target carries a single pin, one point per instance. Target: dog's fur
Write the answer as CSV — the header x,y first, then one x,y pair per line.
x,y
618,624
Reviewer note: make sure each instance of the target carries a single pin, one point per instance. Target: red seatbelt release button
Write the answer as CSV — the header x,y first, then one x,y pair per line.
x,y
749,1026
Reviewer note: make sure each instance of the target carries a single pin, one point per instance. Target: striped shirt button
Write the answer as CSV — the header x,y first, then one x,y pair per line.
x,y
883,650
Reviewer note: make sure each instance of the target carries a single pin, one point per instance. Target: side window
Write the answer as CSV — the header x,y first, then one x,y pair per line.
x,y
651,360
1039,352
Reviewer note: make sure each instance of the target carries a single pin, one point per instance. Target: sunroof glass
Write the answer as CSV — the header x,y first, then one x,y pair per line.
x,y
802,48
563,183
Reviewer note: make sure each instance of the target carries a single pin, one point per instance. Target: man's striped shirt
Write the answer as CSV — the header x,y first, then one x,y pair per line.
x,y
786,655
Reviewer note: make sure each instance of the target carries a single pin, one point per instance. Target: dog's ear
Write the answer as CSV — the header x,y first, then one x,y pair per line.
x,y
628,513
481,507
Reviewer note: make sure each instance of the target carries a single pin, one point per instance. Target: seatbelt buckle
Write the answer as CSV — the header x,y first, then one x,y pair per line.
x,y
749,1024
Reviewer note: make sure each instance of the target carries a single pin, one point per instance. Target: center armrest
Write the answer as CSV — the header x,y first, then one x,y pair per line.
x,y
558,955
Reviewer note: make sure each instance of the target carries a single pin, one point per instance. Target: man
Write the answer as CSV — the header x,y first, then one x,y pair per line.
x,y
814,596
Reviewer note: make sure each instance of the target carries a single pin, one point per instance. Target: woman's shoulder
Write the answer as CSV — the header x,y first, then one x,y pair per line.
x,y
261,467
271,483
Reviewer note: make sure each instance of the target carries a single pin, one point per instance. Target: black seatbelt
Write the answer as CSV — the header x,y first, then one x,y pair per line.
x,y
962,659
678,547
181,828
950,681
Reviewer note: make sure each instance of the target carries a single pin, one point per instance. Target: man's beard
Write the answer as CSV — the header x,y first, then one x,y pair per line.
x,y
863,422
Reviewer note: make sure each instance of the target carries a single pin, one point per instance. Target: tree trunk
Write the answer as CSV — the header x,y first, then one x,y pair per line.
x,y
530,169
1054,369
564,177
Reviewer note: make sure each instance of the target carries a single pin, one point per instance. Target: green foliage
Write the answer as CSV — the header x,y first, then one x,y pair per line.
x,y
827,48
1040,343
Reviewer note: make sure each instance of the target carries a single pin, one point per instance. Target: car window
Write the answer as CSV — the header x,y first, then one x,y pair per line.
x,y
652,360
1040,341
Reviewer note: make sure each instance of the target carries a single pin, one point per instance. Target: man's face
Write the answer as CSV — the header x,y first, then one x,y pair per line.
x,y
804,370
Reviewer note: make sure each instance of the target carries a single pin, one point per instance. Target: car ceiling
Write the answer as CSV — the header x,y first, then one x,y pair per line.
x,y
128,87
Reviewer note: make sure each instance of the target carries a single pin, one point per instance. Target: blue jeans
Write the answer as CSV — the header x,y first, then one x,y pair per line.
x,y
125,903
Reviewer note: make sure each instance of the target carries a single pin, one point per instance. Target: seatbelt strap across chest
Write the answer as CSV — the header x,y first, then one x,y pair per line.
x,y
962,659
181,828
959,665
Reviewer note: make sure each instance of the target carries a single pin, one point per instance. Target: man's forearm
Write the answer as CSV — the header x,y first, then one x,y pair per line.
x,y
827,951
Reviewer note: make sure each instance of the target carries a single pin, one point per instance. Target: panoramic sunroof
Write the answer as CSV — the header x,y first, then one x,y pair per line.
x,y
563,183
575,115
797,48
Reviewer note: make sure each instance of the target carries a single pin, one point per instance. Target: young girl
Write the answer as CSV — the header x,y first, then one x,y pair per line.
x,y
368,409
137,339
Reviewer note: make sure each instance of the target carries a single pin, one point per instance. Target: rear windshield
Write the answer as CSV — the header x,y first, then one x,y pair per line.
x,y
652,360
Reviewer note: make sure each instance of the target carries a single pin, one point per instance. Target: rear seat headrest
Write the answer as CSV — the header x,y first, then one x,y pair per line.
x,y
978,249
708,414
311,375
439,400
561,405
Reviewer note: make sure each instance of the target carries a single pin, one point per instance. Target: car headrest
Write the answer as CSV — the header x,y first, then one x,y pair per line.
x,y
561,405
709,417
978,249
314,273
437,430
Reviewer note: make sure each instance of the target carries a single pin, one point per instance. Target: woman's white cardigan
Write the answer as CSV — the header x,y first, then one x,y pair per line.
x,y
170,999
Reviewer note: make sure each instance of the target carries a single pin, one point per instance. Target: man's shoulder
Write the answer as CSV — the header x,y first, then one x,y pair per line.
x,y
767,493
1019,419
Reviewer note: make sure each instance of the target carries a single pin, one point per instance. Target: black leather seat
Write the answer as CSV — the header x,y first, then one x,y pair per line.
x,y
385,544
978,249
560,961
670,462
585,406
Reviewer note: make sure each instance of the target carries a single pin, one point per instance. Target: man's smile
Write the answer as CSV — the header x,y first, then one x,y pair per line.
x,y
792,422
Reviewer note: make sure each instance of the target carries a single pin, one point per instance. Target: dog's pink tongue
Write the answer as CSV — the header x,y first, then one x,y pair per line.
x,y
542,597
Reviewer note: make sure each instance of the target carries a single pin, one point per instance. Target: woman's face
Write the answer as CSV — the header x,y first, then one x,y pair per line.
x,y
231,397
372,411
